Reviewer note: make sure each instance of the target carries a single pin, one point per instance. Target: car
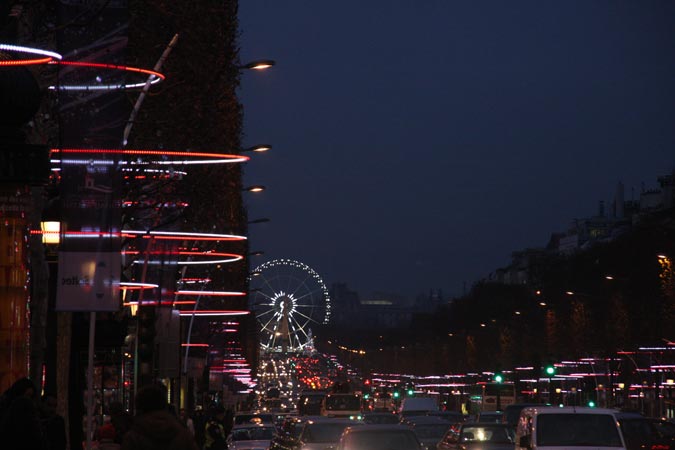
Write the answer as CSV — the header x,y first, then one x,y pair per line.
x,y
241,418
379,437
640,432
475,436
380,418
450,416
430,430
512,412
417,406
288,435
490,417
570,427
323,432
251,437
309,402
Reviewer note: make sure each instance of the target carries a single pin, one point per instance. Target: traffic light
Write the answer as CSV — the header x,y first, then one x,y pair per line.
x,y
396,394
498,377
550,370
411,392
591,404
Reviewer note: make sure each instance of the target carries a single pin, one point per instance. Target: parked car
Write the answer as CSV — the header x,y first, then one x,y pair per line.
x,y
475,436
379,437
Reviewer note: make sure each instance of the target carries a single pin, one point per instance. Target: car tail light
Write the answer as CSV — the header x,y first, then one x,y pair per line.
x,y
660,447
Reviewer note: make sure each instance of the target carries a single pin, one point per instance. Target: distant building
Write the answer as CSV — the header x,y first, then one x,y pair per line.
x,y
380,310
585,232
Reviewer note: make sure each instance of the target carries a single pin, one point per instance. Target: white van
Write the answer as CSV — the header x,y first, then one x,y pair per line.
x,y
417,406
570,427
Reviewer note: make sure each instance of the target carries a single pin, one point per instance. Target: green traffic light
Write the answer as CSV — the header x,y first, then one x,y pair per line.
x,y
410,392
498,378
550,370
396,394
591,404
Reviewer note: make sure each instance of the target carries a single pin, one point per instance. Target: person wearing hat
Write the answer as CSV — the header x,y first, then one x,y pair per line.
x,y
215,431
154,427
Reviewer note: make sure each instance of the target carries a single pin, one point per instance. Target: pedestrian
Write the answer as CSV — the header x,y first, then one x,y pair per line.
x,y
106,437
19,419
199,421
53,425
154,427
120,419
214,433
187,421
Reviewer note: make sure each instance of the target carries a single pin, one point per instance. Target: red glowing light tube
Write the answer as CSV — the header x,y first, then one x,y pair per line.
x,y
164,157
177,235
211,293
131,286
41,56
215,258
214,312
155,77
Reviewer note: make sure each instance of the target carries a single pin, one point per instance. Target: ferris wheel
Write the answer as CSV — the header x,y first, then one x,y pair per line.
x,y
288,299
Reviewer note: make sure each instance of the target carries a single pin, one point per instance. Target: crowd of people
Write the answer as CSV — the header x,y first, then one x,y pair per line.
x,y
28,422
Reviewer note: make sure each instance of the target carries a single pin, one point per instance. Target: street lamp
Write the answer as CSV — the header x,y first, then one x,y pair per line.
x,y
260,64
257,148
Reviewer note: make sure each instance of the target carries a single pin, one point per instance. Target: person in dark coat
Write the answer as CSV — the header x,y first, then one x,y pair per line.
x,y
214,433
53,425
19,421
154,427
121,420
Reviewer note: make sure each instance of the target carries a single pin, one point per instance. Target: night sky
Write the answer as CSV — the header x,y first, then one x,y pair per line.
x,y
418,143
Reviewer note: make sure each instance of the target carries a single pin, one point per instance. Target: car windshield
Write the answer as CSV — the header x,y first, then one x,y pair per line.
x,y
323,432
381,440
253,434
500,435
578,430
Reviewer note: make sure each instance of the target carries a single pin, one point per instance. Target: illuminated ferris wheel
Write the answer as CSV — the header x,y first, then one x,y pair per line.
x,y
288,299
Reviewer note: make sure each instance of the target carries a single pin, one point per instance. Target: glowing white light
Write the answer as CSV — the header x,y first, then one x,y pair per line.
x,y
30,50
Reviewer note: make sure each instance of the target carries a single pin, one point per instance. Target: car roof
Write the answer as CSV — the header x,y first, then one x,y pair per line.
x,y
245,426
629,415
569,410
485,425
364,428
324,419
425,420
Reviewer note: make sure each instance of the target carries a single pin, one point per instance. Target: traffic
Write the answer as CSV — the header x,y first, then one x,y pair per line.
x,y
339,408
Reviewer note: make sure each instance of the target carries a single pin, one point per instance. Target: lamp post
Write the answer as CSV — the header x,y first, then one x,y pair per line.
x,y
261,148
260,64
254,188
